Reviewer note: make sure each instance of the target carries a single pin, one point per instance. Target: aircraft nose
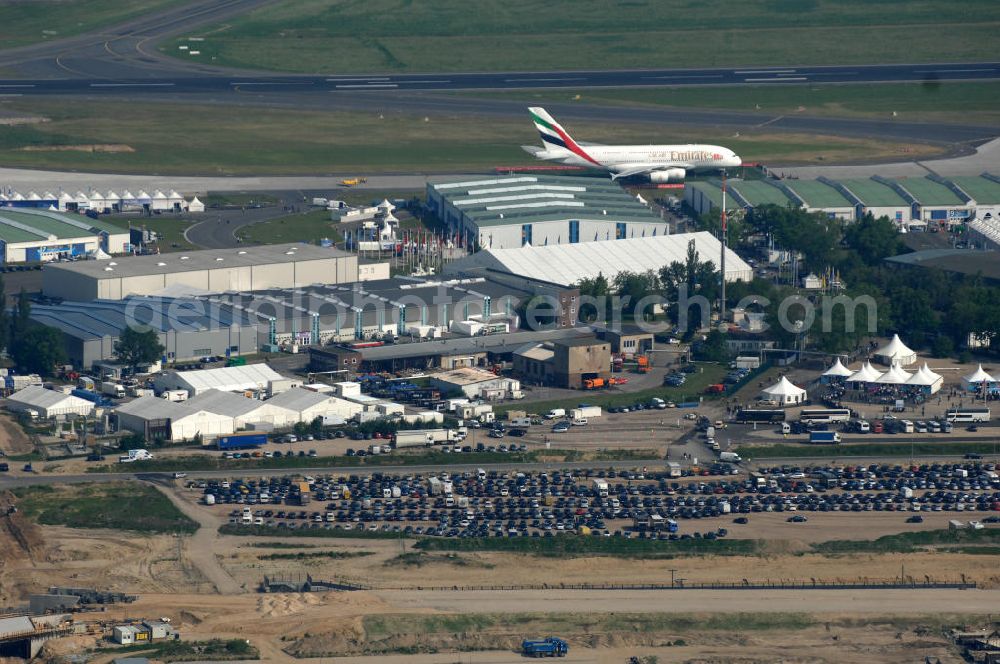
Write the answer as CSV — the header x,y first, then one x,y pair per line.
x,y
735,160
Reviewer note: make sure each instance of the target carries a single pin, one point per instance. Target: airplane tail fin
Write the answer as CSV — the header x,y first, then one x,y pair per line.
x,y
553,135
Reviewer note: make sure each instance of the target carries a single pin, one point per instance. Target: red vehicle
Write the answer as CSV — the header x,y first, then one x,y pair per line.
x,y
717,388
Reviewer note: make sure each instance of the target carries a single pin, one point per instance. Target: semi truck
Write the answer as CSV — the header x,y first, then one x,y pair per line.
x,y
426,437
824,437
113,389
548,647
242,440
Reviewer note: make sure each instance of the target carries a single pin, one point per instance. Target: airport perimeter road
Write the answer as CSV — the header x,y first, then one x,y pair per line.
x,y
881,601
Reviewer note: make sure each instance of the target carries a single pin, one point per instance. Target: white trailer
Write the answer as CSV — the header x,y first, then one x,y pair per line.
x,y
113,389
747,362
434,486
674,469
601,487
426,437
175,395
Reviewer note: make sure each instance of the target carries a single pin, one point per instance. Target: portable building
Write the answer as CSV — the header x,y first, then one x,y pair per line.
x,y
48,403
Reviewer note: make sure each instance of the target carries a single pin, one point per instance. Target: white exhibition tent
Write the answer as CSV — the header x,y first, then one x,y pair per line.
x,y
838,370
196,205
784,392
895,352
894,376
926,378
977,377
866,374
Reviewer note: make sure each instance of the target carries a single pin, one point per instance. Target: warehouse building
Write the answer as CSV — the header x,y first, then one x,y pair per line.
x,y
48,403
257,378
33,235
566,265
188,329
507,212
246,413
476,384
159,419
308,405
910,202
564,362
208,271
401,306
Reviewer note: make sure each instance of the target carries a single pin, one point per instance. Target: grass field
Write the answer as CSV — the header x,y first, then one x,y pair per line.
x,y
218,650
169,229
212,140
28,22
938,102
120,506
306,227
517,35
898,450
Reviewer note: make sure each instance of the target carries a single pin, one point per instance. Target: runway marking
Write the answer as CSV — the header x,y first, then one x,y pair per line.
x,y
772,120
270,83
356,80
542,80
369,85
17,86
741,72
661,78
131,85
949,71
775,80
424,81
829,73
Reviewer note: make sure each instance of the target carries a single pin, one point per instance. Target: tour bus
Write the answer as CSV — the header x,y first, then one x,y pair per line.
x,y
825,415
967,415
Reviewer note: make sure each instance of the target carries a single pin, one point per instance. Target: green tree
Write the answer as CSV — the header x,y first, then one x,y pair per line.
x,y
635,286
873,239
713,348
596,287
39,350
21,319
132,441
942,346
134,348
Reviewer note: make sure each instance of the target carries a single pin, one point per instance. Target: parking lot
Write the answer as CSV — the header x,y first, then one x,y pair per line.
x,y
610,503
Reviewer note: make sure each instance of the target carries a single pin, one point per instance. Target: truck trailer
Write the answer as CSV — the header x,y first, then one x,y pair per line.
x,y
547,647
242,440
585,412
824,437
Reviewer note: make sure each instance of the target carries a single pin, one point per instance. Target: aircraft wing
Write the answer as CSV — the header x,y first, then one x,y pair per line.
x,y
629,170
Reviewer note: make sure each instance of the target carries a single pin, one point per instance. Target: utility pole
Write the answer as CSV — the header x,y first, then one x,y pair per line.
x,y
672,572
722,258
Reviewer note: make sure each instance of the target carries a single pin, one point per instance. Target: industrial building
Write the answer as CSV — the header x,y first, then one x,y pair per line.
x,y
563,362
32,235
160,419
258,378
308,405
246,413
48,403
508,212
207,271
188,329
476,384
910,202
568,264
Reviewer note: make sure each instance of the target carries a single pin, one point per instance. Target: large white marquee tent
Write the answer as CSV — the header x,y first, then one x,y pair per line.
x,y
895,352
784,392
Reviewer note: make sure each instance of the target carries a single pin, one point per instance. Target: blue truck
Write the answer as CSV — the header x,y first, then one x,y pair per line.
x,y
547,647
824,437
241,441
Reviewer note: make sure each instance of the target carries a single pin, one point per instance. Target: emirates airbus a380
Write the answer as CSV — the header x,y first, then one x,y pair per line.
x,y
659,163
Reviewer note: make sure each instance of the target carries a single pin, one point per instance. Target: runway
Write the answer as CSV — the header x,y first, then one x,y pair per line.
x,y
157,80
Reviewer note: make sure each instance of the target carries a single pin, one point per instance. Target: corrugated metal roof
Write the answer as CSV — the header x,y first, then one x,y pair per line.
x,y
229,379
929,192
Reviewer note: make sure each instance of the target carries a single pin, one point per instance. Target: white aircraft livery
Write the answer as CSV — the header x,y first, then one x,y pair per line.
x,y
660,163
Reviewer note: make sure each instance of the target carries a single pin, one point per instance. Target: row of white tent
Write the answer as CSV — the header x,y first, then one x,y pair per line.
x,y
923,377
95,200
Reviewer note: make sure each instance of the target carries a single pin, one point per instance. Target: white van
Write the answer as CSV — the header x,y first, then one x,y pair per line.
x,y
786,427
580,422
864,426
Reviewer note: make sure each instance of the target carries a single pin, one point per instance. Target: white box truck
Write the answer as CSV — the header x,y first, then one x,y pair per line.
x,y
601,488
113,389
674,469
175,395
585,412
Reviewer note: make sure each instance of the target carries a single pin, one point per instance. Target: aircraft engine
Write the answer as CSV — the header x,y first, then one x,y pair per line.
x,y
667,175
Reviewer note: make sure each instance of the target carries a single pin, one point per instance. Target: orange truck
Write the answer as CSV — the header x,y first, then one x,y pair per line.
x,y
642,364
594,383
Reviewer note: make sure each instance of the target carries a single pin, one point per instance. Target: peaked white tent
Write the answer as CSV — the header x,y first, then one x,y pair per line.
x,y
866,374
784,392
894,376
974,380
926,379
196,205
895,352
836,372
386,205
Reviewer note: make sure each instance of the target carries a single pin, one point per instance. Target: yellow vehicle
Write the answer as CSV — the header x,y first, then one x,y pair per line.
x,y
350,182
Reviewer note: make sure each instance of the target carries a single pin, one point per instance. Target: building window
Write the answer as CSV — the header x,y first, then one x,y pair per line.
x,y
202,351
574,231
620,231
525,234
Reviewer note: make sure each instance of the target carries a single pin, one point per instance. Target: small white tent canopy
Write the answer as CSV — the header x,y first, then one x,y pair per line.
x,y
895,352
33,196
894,376
926,378
82,200
175,198
386,205
866,374
66,200
196,205
978,376
784,392
838,370
160,201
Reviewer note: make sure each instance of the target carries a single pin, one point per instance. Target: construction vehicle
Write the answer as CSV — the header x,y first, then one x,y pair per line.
x,y
642,363
594,383
548,647
617,381
350,182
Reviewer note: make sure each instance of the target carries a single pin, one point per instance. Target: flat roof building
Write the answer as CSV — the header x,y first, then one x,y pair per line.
x,y
31,235
207,271
476,383
159,419
505,212
188,329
